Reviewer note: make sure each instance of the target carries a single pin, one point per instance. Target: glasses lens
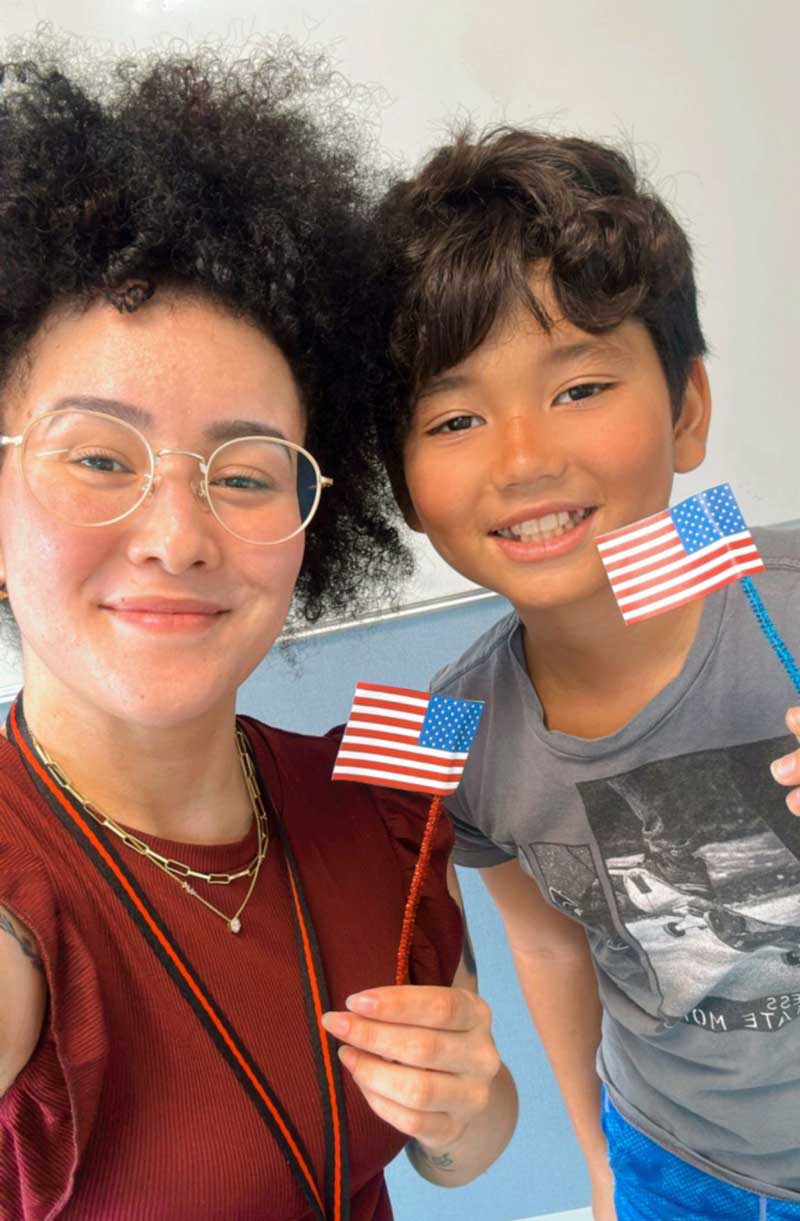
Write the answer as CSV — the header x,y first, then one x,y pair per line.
x,y
263,490
88,469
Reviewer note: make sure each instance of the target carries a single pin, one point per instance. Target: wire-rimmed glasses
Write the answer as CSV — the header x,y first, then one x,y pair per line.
x,y
93,469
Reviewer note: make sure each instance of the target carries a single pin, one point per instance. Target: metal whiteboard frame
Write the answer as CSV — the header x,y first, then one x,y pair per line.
x,y
386,613
383,615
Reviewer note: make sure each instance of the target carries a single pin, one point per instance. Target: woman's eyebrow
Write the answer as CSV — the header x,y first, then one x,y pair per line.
x,y
229,430
223,430
123,411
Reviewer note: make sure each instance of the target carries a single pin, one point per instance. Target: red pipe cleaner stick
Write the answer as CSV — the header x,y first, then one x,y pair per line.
x,y
402,739
415,891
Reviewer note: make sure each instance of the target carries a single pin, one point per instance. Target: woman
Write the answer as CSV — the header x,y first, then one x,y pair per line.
x,y
189,909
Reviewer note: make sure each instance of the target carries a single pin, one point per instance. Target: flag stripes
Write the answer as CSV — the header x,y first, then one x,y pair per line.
x,y
382,745
664,561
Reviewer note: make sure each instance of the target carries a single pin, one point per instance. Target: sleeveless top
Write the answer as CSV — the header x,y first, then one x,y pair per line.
x,y
127,1109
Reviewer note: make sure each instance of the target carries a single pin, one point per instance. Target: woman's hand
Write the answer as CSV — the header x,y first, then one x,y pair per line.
x,y
786,770
423,1058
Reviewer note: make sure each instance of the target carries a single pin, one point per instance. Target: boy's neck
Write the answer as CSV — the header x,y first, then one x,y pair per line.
x,y
592,672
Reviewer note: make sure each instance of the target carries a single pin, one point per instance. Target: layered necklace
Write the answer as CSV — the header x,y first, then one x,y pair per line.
x,y
177,870
328,1200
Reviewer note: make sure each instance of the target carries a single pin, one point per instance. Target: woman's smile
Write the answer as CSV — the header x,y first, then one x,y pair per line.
x,y
165,615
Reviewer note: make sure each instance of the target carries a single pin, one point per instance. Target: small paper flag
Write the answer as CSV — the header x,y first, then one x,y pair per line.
x,y
407,739
686,552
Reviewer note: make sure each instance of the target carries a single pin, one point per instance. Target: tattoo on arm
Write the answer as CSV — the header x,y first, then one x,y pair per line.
x,y
25,943
439,1161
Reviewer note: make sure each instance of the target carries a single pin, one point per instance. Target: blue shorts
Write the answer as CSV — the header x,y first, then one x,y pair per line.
x,y
652,1184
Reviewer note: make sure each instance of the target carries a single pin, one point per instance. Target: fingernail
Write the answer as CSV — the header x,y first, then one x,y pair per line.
x,y
362,1002
336,1023
347,1056
781,768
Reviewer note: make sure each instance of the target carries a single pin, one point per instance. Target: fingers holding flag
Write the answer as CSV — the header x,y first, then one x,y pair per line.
x,y
786,770
423,1057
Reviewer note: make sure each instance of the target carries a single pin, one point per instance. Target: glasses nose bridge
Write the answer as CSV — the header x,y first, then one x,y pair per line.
x,y
158,454
198,485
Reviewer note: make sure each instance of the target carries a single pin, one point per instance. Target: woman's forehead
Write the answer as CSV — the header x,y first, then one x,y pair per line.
x,y
175,361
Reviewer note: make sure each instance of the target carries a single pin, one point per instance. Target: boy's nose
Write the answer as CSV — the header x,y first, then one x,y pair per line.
x,y
526,451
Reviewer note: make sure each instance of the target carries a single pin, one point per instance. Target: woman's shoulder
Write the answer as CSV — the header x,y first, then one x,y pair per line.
x,y
366,833
301,762
23,829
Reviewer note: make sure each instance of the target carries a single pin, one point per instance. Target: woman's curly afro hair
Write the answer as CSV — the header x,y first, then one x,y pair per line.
x,y
239,179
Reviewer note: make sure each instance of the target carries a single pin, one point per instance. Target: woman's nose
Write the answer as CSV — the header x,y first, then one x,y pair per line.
x,y
174,524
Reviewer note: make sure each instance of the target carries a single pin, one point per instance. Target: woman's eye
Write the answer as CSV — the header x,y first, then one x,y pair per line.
x,y
456,423
242,482
104,463
584,390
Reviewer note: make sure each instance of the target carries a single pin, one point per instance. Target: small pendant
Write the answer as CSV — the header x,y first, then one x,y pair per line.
x,y
235,924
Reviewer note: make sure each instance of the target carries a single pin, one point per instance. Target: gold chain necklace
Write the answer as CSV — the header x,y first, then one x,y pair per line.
x,y
177,870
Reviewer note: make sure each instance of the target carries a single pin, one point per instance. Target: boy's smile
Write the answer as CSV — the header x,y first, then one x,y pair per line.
x,y
549,531
538,442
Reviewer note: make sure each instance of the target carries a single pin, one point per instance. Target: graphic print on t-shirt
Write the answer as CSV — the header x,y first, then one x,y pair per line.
x,y
695,883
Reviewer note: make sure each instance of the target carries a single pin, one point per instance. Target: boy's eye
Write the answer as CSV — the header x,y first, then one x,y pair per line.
x,y
584,390
456,423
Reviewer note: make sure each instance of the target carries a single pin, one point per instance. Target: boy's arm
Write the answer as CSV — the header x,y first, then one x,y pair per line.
x,y
557,978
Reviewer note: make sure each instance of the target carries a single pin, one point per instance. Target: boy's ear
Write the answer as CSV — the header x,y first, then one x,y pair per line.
x,y
691,428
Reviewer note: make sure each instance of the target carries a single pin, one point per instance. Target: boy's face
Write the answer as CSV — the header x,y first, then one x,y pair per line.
x,y
518,458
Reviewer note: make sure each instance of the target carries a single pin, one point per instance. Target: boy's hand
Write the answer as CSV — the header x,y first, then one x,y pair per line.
x,y
602,1182
787,769
423,1058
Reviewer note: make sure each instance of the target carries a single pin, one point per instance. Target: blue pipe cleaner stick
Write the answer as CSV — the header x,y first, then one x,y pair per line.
x,y
774,640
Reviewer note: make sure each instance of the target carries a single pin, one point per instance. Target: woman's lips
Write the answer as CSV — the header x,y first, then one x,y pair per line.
x,y
167,615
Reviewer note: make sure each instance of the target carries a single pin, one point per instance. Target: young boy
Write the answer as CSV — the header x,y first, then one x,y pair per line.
x,y
547,382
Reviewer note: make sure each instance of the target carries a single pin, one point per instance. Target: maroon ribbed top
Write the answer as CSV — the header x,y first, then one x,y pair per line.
x,y
127,1111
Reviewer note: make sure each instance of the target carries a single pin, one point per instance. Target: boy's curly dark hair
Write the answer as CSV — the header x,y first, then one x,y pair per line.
x,y
457,243
241,180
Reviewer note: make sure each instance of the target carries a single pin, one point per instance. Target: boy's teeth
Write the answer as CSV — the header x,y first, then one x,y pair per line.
x,y
549,526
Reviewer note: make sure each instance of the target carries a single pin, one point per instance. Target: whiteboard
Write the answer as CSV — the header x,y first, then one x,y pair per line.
x,y
706,93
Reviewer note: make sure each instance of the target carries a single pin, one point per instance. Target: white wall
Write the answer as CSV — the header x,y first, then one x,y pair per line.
x,y
704,89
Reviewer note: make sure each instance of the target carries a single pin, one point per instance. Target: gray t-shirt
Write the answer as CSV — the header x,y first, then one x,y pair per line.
x,y
672,845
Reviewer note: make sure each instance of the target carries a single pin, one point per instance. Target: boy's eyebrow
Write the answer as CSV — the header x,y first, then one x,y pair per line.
x,y
444,382
563,354
598,348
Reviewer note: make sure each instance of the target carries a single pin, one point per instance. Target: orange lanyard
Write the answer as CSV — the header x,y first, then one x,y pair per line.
x,y
334,1203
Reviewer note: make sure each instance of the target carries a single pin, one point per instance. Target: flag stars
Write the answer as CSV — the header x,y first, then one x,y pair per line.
x,y
711,515
450,724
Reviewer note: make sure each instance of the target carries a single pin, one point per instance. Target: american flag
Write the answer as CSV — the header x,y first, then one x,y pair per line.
x,y
682,553
407,739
